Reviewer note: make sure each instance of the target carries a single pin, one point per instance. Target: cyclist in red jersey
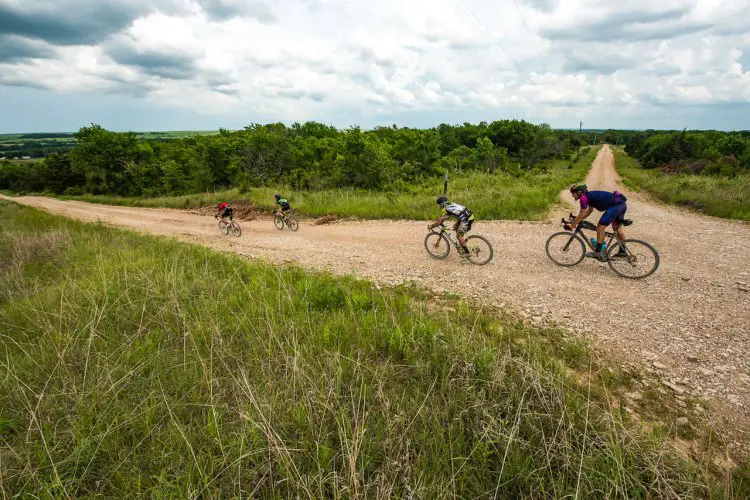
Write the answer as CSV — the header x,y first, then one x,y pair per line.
x,y
225,211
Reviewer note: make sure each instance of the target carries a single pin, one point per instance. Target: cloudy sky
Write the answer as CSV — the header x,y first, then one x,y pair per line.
x,y
205,64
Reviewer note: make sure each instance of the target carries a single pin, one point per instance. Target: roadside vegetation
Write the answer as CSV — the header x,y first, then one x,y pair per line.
x,y
721,195
526,196
306,157
138,365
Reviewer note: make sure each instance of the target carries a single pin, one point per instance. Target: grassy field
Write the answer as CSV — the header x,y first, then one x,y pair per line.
x,y
490,196
136,365
173,134
712,195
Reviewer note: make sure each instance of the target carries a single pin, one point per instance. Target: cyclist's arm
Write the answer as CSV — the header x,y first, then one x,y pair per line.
x,y
585,212
439,221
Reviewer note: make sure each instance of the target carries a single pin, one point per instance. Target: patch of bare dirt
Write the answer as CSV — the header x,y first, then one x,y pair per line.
x,y
326,219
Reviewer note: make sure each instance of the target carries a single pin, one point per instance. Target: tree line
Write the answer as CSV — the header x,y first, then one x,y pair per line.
x,y
689,151
308,155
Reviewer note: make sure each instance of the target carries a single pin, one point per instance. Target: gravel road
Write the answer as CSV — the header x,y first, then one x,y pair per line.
x,y
689,323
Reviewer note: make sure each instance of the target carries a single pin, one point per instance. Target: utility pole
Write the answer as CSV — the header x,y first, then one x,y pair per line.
x,y
445,184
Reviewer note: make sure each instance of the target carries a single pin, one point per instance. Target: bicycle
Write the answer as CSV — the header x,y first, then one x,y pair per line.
x,y
572,250
281,218
441,247
225,226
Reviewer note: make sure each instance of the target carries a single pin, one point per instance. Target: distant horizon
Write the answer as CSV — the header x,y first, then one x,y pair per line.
x,y
204,130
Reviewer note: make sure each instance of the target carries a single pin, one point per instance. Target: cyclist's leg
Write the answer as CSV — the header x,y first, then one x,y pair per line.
x,y
462,227
616,225
610,216
607,218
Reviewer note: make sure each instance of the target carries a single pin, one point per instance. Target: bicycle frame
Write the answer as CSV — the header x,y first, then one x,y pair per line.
x,y
588,225
448,233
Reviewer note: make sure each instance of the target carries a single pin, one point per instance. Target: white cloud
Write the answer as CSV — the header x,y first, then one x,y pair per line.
x,y
319,59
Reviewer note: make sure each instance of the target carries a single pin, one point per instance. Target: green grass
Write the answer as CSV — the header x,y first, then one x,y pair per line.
x,y
490,196
140,366
175,134
713,195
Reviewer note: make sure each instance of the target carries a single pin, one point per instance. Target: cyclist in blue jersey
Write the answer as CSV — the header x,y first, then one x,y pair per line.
x,y
614,207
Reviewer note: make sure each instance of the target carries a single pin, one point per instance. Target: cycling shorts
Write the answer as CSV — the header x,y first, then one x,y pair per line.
x,y
613,214
464,226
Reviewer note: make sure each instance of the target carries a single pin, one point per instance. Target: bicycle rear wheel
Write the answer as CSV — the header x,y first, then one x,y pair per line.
x,y
278,221
480,250
236,229
437,245
564,249
292,223
640,259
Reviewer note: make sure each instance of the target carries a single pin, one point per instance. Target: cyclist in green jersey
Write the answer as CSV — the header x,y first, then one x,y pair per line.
x,y
283,203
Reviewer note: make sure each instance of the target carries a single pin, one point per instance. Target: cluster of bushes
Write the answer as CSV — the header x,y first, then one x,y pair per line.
x,y
692,152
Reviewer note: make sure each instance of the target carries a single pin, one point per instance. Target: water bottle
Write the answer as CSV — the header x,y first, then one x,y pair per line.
x,y
593,243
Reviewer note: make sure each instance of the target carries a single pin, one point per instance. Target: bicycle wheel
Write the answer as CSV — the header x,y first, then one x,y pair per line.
x,y
278,221
292,223
641,259
236,229
223,227
437,245
480,250
563,250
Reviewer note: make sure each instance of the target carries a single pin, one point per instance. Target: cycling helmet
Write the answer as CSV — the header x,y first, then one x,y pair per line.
x,y
442,199
277,196
577,188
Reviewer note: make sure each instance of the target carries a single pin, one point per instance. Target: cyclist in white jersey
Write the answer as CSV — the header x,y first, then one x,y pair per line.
x,y
464,219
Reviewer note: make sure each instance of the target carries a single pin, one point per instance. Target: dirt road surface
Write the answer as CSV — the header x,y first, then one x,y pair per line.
x,y
689,323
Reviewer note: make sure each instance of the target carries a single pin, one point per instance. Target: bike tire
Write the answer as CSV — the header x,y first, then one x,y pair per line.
x,y
236,229
223,227
577,248
473,256
278,221
292,223
643,249
440,241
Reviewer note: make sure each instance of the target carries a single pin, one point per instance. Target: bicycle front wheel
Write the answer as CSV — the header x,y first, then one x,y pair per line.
x,y
565,250
236,229
223,227
437,245
480,250
292,223
637,259
278,221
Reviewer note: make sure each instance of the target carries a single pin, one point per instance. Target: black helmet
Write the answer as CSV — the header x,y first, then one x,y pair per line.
x,y
277,196
577,188
442,199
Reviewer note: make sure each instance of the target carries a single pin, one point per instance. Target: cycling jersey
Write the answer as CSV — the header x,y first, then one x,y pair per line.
x,y
223,206
284,204
601,200
460,212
